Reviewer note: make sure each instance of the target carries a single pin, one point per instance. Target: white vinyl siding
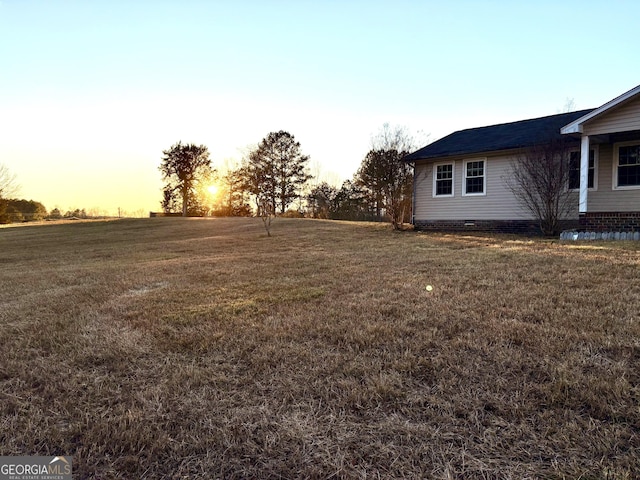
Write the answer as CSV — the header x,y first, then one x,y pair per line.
x,y
621,119
498,202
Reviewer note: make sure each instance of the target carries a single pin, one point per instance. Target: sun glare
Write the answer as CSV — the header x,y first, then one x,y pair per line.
x,y
213,189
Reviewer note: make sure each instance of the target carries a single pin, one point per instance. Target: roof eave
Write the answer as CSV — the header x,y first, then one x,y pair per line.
x,y
459,155
573,127
577,125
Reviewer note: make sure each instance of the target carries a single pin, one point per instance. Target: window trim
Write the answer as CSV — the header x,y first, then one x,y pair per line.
x,y
615,164
596,159
484,177
435,179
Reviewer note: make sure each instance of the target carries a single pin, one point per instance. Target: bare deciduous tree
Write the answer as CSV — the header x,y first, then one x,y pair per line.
x,y
8,188
8,184
539,180
569,105
385,174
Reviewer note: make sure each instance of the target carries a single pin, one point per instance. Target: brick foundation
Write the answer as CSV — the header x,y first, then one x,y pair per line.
x,y
527,227
610,221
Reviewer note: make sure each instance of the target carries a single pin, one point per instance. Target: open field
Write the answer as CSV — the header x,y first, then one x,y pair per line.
x,y
201,348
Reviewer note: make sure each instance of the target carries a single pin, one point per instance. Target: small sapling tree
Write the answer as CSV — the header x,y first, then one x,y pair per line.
x,y
274,173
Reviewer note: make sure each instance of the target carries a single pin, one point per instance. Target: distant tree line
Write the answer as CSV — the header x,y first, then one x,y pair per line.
x,y
78,213
273,180
17,211
382,188
13,211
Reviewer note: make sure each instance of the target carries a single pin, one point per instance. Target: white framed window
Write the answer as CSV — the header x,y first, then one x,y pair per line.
x,y
626,165
443,174
574,169
475,177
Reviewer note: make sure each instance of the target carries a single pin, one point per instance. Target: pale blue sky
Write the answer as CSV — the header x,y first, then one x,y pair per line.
x,y
92,91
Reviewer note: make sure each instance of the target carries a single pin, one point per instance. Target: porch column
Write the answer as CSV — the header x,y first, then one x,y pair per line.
x,y
584,173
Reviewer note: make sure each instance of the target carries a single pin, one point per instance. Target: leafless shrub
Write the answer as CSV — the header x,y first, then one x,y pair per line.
x,y
539,179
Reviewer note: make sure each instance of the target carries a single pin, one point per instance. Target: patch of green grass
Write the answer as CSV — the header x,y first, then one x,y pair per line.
x,y
200,348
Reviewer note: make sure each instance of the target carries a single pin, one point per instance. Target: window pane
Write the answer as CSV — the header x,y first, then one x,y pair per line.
x,y
444,187
629,155
444,172
444,179
574,170
574,178
475,185
475,169
629,166
474,181
628,175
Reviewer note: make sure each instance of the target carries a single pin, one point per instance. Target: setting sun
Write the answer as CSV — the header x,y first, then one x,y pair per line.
x,y
213,189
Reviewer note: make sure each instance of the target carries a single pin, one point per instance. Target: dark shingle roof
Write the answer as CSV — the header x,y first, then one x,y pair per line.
x,y
505,136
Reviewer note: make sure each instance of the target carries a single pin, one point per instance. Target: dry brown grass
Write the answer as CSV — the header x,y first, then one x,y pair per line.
x,y
192,348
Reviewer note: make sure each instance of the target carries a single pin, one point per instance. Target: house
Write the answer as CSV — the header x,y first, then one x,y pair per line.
x,y
461,181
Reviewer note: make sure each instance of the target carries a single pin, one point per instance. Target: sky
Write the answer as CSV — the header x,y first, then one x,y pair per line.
x,y
92,92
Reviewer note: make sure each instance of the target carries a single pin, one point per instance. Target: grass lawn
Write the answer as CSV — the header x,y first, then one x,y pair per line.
x,y
201,348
